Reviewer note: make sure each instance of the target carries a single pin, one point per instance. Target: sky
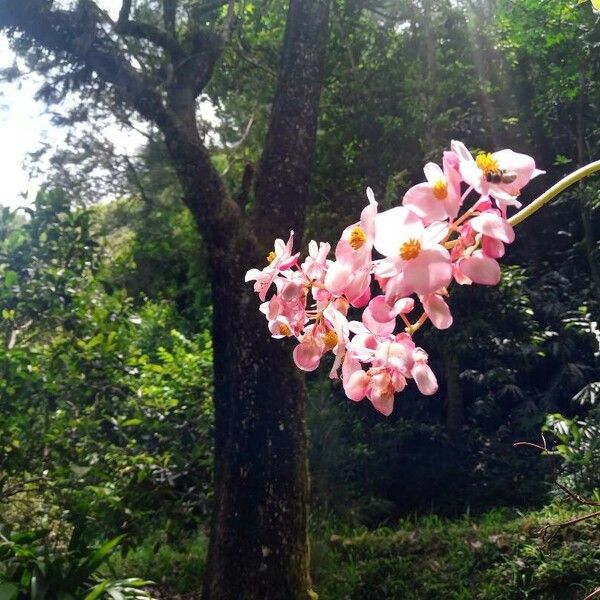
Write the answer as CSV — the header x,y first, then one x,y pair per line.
x,y
24,125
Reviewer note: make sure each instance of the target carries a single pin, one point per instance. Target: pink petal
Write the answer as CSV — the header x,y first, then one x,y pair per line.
x,y
339,275
481,269
492,224
367,217
433,172
381,311
396,288
469,170
492,247
358,291
371,196
362,300
393,227
356,385
252,275
520,164
307,355
292,290
460,277
435,233
404,306
384,403
380,395
429,271
453,179
384,328
424,378
437,310
420,200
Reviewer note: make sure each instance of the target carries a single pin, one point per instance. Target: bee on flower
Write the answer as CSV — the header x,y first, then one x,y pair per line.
x,y
435,238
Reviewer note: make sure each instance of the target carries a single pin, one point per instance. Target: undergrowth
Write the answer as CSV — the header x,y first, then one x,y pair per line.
x,y
496,556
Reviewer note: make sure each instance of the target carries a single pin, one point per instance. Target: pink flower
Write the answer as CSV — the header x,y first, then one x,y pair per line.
x,y
315,264
307,354
478,268
356,242
379,385
439,197
394,361
499,174
286,311
350,274
437,310
280,259
495,232
330,332
422,373
380,317
415,258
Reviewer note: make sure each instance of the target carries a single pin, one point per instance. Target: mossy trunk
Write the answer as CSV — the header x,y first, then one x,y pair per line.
x,y
259,544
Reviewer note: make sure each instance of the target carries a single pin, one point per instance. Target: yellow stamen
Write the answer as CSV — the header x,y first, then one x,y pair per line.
x,y
357,238
410,249
487,163
440,189
284,329
330,339
271,256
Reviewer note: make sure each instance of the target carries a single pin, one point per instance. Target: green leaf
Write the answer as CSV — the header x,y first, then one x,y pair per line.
x,y
79,471
90,564
96,591
8,591
10,278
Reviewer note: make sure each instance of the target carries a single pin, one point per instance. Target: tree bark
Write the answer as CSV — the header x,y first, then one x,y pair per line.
x,y
454,401
259,547
585,208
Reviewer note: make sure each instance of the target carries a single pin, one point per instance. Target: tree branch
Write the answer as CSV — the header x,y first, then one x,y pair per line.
x,y
84,42
64,32
169,14
197,68
155,35
124,12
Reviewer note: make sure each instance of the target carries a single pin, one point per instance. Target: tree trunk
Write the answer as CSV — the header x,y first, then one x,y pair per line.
x,y
259,543
259,547
454,402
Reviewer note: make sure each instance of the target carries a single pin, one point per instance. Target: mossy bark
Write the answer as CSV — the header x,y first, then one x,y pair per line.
x,y
258,548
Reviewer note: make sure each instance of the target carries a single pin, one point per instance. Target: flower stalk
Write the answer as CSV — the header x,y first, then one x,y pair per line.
x,y
556,189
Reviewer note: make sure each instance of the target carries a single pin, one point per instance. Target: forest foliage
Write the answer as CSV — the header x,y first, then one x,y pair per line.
x,y
106,354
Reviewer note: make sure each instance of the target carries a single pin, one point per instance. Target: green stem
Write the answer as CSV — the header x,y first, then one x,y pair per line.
x,y
556,189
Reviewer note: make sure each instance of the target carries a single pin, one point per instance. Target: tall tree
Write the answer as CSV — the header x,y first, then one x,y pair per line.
x,y
158,65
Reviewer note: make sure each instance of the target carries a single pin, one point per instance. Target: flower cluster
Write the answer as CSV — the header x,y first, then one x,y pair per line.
x,y
423,245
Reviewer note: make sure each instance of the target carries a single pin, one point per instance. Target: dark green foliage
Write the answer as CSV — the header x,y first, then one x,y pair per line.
x,y
94,389
33,568
498,556
106,383
177,566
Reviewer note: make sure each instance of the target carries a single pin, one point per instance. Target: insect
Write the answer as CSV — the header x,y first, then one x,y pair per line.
x,y
500,176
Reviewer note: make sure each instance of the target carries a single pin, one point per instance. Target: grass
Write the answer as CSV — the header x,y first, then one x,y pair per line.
x,y
497,556
176,568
